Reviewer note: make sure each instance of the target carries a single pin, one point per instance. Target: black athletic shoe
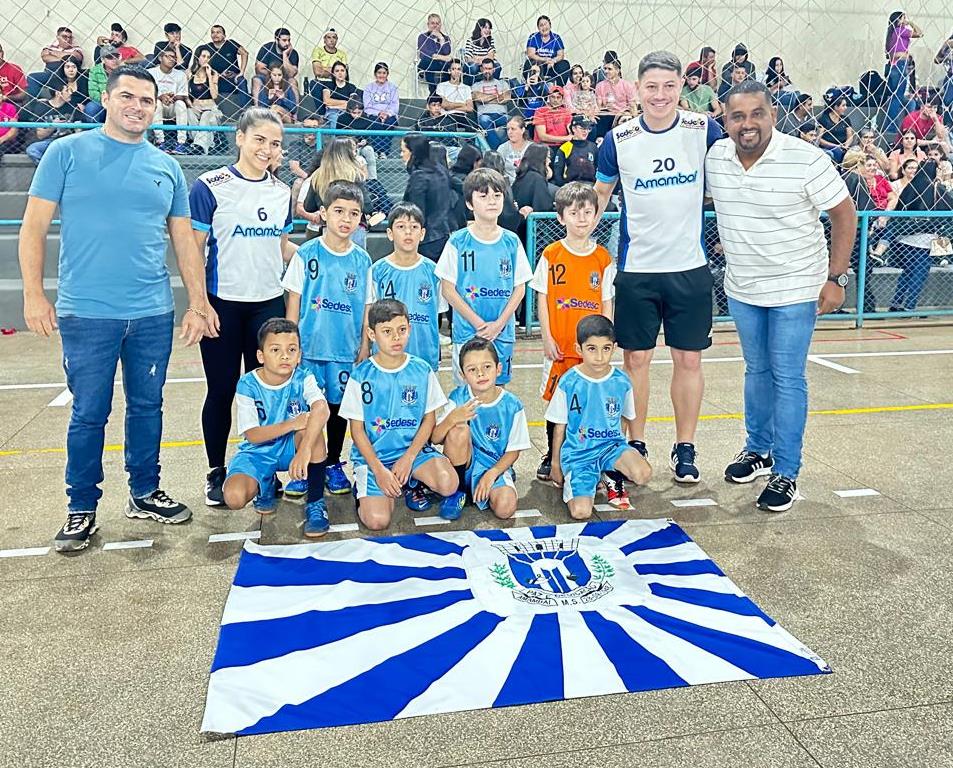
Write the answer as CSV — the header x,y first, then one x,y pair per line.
x,y
641,447
545,471
682,463
748,465
214,480
779,495
158,506
75,534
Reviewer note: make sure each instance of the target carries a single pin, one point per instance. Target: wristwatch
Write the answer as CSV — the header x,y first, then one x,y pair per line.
x,y
840,279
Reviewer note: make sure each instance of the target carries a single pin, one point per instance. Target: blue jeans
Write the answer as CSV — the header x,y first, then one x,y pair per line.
x,y
92,348
916,263
897,81
236,93
775,343
36,149
491,123
331,116
37,81
95,112
382,143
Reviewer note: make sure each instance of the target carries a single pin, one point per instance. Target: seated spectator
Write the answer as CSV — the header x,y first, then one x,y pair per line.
x,y
278,52
303,151
355,120
706,60
9,137
698,97
173,99
868,144
509,217
778,82
614,95
861,188
98,75
339,161
457,98
909,149
584,101
203,100
118,39
323,58
739,57
434,52
337,93
428,187
58,109
69,99
435,119
511,151
480,46
279,94
531,94
598,74
490,95
924,122
53,55
381,104
576,71
551,121
801,112
576,159
12,80
228,60
531,190
836,135
545,49
807,131
738,75
173,41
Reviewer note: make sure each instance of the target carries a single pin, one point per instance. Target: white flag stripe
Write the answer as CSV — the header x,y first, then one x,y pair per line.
x,y
691,663
470,538
625,535
680,553
264,603
708,581
476,681
357,551
238,697
587,670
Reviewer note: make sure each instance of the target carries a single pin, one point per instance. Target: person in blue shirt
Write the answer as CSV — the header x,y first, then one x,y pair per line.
x,y
281,415
391,400
483,272
545,48
118,197
483,429
329,287
591,408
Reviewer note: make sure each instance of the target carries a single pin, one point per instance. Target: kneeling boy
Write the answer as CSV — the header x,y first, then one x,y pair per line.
x,y
483,429
281,414
589,406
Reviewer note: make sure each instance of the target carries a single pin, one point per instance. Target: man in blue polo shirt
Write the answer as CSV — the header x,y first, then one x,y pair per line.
x,y
118,197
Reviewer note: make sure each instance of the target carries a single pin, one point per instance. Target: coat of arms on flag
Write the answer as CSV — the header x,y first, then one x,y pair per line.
x,y
363,630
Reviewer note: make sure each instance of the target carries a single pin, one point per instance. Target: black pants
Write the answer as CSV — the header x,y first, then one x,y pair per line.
x,y
222,360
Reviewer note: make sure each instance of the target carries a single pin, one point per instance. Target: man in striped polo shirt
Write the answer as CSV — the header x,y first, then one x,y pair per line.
x,y
769,190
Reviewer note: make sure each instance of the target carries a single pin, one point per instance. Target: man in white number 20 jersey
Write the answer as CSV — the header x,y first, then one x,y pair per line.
x,y
663,280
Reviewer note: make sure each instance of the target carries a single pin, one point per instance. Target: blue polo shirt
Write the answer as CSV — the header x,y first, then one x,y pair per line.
x,y
114,199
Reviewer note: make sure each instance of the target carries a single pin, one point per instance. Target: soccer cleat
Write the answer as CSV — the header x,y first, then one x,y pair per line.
x,y
616,494
415,496
316,522
641,447
748,465
214,480
158,506
545,471
265,501
452,506
296,488
779,494
682,463
76,532
335,481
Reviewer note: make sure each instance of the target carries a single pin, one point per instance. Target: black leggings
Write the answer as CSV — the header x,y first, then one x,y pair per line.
x,y
222,360
337,428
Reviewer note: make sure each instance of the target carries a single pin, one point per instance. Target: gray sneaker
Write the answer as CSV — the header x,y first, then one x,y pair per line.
x,y
75,534
158,506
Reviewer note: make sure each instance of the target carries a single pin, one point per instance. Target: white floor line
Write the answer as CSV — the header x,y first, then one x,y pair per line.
x,y
905,353
25,552
818,360
240,536
64,398
604,508
435,520
344,528
140,544
694,503
527,513
853,493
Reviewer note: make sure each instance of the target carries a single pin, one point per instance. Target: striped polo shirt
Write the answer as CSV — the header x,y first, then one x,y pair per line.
x,y
768,219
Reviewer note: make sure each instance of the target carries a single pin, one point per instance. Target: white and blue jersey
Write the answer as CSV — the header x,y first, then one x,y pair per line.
x,y
418,287
334,289
245,220
264,405
662,177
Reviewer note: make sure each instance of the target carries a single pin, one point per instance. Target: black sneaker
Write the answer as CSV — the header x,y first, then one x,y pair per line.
x,y
75,534
682,463
214,480
641,447
779,495
545,471
748,465
158,506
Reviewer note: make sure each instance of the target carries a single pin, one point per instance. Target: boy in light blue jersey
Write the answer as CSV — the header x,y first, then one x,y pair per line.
x,y
591,408
281,415
409,278
391,400
483,429
483,271
329,287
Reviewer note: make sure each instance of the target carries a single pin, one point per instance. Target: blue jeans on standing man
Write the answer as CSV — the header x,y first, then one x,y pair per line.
x,y
775,343
92,349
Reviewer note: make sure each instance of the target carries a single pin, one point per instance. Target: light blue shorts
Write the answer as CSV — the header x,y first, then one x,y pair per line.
x,y
262,461
582,471
366,483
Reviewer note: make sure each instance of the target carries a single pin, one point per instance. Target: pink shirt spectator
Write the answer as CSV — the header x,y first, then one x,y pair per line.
x,y
617,98
899,41
381,97
8,113
74,51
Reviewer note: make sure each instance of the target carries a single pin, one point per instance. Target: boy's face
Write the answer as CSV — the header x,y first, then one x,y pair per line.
x,y
342,217
486,206
280,353
406,234
479,371
391,337
596,353
578,219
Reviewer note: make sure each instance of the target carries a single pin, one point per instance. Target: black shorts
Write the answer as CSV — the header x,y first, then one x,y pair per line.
x,y
679,302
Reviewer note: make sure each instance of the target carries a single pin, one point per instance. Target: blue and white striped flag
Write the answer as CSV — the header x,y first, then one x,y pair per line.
x,y
364,630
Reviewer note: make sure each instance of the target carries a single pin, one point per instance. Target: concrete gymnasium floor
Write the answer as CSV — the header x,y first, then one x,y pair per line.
x,y
106,655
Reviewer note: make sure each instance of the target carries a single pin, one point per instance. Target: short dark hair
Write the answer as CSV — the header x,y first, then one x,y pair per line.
x,y
748,87
405,211
385,310
344,190
594,325
61,30
219,26
282,31
171,27
129,70
575,193
276,325
483,180
807,127
488,61
543,17
478,344
353,104
802,98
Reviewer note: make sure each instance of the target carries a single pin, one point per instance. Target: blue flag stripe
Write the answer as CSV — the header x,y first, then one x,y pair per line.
x,y
261,571
543,531
753,656
667,537
421,542
600,530
739,604
249,642
686,568
537,673
492,535
382,692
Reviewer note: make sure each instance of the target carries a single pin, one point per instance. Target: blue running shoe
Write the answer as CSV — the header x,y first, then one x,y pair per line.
x,y
682,463
416,497
452,507
316,522
335,481
265,502
296,489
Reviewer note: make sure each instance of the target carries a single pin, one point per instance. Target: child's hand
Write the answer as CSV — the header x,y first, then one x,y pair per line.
x,y
551,349
556,474
492,329
401,469
463,413
300,421
482,491
387,482
299,464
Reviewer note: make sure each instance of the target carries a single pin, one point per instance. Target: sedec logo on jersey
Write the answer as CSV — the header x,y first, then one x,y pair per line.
x,y
340,307
381,425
